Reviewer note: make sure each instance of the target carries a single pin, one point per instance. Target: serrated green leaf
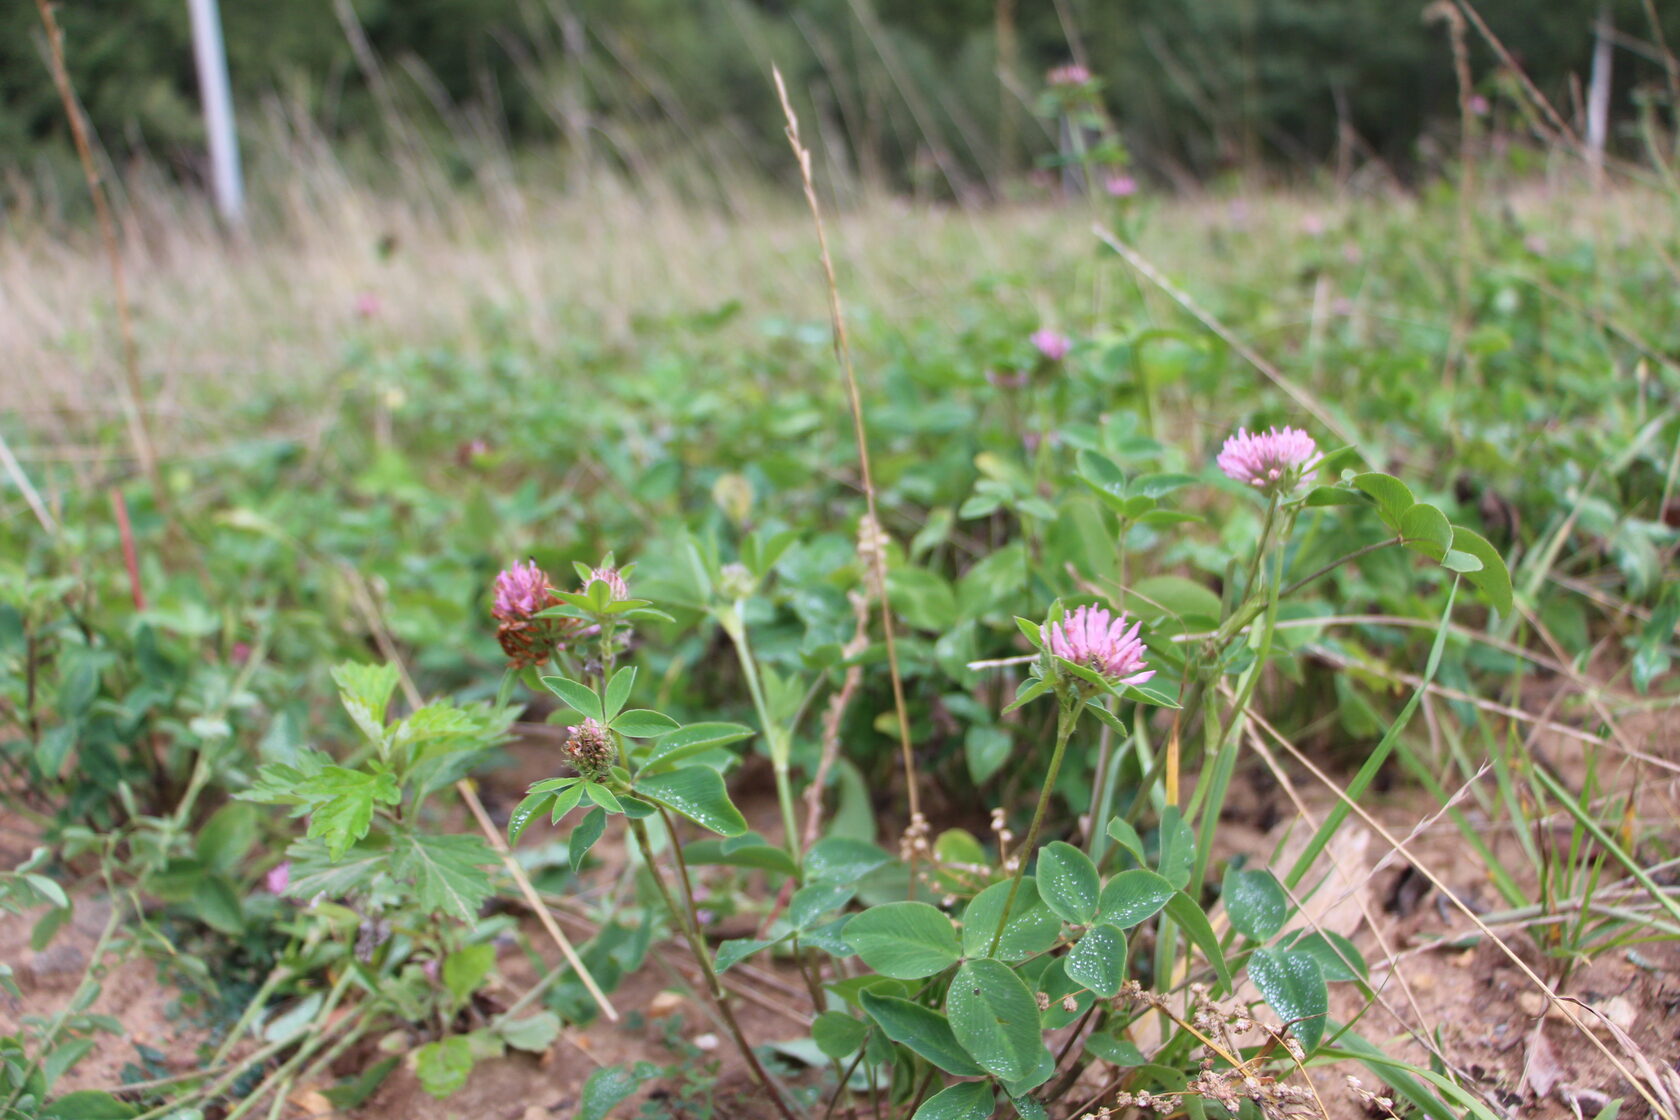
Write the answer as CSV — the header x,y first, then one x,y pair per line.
x,y
341,803
365,691
446,871
904,940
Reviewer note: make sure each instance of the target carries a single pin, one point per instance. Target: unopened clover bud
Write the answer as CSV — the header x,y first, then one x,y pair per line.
x,y
613,578
736,581
590,748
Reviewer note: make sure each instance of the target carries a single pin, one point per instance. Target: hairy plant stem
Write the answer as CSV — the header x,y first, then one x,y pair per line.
x,y
775,737
697,944
1067,716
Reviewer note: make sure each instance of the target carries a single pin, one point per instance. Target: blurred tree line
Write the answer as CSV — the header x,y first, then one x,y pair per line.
x,y
904,92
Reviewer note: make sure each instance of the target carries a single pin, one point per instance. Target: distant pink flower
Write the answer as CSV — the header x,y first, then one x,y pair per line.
x,y
1072,74
278,878
1052,344
1094,638
1312,225
1274,461
1120,186
240,653
432,968
521,591
367,305
1478,105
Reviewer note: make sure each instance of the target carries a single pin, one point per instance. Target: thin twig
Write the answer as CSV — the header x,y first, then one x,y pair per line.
x,y
138,433
1305,399
843,354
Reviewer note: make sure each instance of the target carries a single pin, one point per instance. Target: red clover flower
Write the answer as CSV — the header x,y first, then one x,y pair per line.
x,y
1053,345
1275,461
1094,638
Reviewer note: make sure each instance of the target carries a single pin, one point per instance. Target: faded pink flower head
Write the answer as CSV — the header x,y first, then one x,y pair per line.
x,y
1071,74
1094,638
367,305
1052,344
1478,105
521,591
1312,225
1120,186
278,878
613,578
1274,461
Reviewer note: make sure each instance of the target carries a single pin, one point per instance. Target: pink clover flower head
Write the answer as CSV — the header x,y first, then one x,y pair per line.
x,y
1120,186
1478,105
367,305
613,578
521,591
278,878
1072,74
1094,638
1312,225
1275,461
1053,345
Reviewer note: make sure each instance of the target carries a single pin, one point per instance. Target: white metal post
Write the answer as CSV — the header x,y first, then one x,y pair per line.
x,y
211,58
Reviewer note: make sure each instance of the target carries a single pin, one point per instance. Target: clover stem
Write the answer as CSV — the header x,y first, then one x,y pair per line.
x,y
1067,716
697,944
